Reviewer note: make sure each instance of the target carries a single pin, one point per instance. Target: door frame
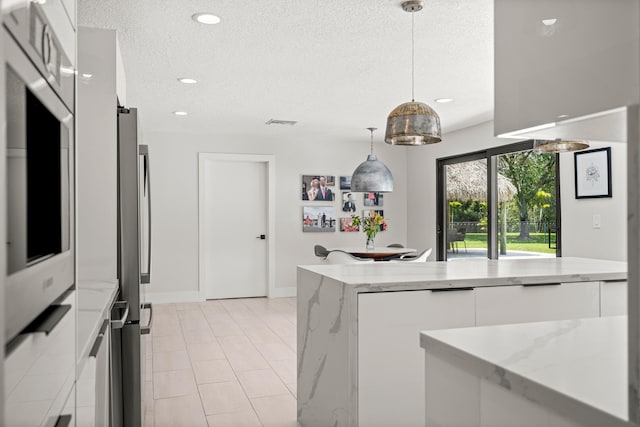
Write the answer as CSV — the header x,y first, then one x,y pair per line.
x,y
490,154
270,162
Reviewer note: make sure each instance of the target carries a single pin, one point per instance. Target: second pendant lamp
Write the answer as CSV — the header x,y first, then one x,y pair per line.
x,y
372,174
413,123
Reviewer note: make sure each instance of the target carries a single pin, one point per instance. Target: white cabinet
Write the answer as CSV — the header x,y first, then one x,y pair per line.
x,y
97,154
39,367
613,298
517,304
390,360
563,58
93,382
60,17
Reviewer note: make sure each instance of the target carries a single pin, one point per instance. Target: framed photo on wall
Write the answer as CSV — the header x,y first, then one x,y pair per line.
x,y
318,219
345,182
346,225
593,173
373,199
316,187
348,202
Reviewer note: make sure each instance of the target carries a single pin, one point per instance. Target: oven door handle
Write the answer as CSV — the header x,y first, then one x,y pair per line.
x,y
64,420
48,319
147,329
119,324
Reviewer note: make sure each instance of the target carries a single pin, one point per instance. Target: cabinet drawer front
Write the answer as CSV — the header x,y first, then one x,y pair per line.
x,y
517,304
390,360
613,298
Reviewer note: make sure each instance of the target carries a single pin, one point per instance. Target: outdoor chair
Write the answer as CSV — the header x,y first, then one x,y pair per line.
x,y
454,236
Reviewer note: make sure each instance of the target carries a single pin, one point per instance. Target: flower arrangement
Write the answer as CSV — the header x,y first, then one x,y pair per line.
x,y
370,225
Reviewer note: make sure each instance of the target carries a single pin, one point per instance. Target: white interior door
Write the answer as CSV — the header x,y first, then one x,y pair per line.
x,y
233,197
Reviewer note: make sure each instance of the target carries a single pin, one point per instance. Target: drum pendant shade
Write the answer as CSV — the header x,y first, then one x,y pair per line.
x,y
372,174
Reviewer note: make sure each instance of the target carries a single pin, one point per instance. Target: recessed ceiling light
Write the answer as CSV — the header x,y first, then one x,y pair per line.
x,y
187,80
443,100
549,22
206,18
180,113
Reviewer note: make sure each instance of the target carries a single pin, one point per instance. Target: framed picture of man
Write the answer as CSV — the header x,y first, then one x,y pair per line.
x,y
318,187
348,202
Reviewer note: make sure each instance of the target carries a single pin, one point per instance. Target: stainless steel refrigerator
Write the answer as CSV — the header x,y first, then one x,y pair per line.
x,y
134,262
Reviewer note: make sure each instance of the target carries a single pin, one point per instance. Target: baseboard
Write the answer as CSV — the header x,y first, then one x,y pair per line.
x,y
288,292
196,296
173,297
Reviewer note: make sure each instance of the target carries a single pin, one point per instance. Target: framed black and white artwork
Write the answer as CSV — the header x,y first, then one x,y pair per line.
x,y
593,173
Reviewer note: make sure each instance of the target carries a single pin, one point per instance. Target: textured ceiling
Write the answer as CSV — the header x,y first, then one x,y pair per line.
x,y
334,66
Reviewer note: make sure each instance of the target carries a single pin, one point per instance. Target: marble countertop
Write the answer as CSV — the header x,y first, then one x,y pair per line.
x,y
552,363
474,272
94,299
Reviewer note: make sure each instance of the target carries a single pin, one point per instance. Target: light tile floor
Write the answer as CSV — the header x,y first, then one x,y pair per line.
x,y
221,363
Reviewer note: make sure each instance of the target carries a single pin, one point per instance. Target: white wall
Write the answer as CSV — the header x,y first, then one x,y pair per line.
x,y
578,236
174,193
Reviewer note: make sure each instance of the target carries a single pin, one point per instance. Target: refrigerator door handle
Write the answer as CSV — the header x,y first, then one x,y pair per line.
x,y
145,277
145,330
98,342
119,324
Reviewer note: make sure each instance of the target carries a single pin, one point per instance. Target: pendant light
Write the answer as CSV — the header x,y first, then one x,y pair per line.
x,y
413,123
372,174
558,145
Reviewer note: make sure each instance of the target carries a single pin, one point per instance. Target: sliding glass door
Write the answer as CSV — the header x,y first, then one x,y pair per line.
x,y
501,202
466,204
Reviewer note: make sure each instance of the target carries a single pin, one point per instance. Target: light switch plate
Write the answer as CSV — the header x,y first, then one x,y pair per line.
x,y
596,221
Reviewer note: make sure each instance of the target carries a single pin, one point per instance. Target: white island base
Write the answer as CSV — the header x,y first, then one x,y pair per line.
x,y
359,356
548,374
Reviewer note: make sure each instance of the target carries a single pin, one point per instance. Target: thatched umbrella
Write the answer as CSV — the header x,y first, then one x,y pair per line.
x,y
468,181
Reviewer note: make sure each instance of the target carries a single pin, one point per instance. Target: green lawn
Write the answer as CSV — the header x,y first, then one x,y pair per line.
x,y
537,244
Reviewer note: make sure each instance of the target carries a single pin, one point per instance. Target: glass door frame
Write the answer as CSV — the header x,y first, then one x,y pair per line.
x,y
491,156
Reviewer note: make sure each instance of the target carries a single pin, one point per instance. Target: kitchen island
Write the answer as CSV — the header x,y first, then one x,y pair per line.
x,y
566,373
359,355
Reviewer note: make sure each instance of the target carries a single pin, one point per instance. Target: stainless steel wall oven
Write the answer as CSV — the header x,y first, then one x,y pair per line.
x,y
40,171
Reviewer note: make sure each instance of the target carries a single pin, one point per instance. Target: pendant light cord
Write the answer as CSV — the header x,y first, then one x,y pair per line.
x,y
371,130
371,139
413,56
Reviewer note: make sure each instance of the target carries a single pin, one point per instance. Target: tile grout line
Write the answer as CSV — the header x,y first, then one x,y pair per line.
x,y
235,374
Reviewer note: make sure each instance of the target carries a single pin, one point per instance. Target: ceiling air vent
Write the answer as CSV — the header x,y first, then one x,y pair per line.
x,y
280,122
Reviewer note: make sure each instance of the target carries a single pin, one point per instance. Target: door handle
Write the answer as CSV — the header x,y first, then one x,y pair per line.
x,y
147,329
145,277
119,324
262,237
98,342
